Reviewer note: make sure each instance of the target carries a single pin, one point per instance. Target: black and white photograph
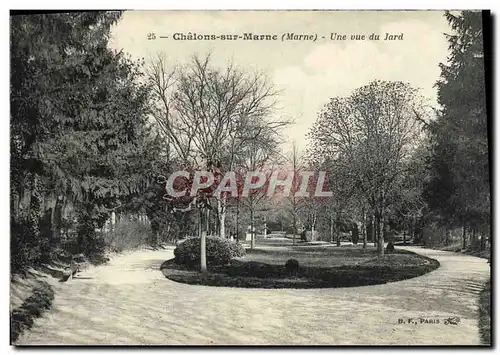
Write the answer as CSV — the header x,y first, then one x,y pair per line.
x,y
250,178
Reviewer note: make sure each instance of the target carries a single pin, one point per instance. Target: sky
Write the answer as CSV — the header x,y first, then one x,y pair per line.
x,y
307,73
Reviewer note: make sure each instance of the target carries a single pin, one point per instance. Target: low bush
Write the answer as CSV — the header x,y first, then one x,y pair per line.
x,y
219,251
237,249
27,246
390,247
355,235
127,235
22,319
485,314
254,269
292,266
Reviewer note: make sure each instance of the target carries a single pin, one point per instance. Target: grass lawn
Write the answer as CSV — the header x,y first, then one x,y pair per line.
x,y
319,266
278,251
485,314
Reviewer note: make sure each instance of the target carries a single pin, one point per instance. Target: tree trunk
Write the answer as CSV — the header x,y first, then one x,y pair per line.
x,y
221,212
464,236
331,229
294,224
447,236
363,230
414,224
237,220
57,223
64,213
207,222
380,244
112,221
474,239
337,233
34,212
373,230
404,234
381,230
265,226
410,229
337,226
167,233
14,203
203,242
203,252
252,229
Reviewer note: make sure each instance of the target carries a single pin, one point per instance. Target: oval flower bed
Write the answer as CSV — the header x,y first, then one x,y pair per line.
x,y
351,267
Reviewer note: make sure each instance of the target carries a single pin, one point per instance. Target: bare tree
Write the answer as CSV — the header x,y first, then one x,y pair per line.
x,y
296,202
369,136
259,155
205,112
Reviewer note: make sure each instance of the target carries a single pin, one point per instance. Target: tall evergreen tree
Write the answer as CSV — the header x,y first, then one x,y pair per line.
x,y
459,189
79,127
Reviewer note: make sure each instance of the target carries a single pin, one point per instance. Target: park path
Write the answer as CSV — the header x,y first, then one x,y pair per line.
x,y
129,301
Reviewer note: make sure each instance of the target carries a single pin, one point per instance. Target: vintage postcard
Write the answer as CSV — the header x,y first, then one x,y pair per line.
x,y
251,178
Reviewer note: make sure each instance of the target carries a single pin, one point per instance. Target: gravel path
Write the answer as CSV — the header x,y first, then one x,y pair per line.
x,y
129,301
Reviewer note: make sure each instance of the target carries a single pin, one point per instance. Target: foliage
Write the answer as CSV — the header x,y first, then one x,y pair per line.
x,y
208,114
79,129
22,318
237,249
254,269
166,225
485,314
219,251
459,186
292,266
127,235
355,235
366,140
25,249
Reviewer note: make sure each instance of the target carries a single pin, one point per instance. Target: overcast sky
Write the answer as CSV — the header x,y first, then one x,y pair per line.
x,y
309,73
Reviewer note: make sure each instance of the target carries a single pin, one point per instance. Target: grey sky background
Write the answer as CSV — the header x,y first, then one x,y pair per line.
x,y
308,73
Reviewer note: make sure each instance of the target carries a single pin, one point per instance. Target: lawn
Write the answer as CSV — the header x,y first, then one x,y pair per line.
x,y
320,266
278,251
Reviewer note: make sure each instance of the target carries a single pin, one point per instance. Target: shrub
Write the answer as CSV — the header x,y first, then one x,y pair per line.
x,y
237,249
127,235
22,318
355,235
390,247
219,251
254,269
485,314
292,266
27,247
